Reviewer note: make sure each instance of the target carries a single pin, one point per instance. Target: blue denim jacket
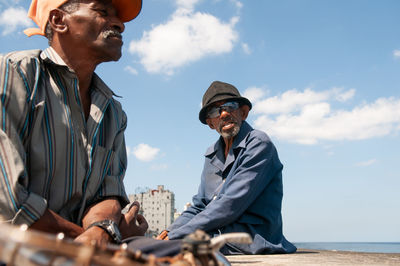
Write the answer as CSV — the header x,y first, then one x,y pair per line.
x,y
240,194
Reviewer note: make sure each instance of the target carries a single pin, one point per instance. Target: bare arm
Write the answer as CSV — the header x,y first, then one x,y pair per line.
x,y
53,223
108,209
130,224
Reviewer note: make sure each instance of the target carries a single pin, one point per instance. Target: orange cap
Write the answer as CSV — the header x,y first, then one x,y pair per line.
x,y
39,12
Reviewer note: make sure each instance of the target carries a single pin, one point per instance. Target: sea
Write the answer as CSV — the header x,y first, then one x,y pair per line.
x,y
378,247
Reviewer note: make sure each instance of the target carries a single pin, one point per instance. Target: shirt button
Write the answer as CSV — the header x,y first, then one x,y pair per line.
x,y
215,197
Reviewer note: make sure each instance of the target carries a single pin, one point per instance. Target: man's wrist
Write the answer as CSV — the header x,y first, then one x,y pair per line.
x,y
96,230
110,227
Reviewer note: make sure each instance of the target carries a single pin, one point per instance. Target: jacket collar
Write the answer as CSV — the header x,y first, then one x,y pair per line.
x,y
216,152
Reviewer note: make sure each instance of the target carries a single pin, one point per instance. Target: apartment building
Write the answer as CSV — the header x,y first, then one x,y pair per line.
x,y
157,206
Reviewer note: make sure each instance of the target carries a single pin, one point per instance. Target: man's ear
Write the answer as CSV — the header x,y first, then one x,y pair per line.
x,y
57,21
244,111
208,121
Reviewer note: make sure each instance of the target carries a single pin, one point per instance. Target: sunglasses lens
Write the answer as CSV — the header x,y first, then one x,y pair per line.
x,y
213,113
228,107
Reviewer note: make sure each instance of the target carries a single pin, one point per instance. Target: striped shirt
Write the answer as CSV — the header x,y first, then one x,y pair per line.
x,y
50,155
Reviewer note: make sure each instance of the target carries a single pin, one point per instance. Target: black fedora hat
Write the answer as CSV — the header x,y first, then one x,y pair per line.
x,y
220,91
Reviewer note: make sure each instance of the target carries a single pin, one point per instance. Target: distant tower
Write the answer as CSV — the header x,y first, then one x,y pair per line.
x,y
177,214
158,207
187,205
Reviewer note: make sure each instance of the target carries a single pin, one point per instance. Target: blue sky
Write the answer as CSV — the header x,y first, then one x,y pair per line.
x,y
323,77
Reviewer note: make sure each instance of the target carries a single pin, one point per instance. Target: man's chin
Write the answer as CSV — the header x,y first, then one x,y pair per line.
x,y
113,52
117,57
113,57
231,133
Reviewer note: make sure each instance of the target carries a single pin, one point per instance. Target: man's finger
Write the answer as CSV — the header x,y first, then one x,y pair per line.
x,y
135,205
140,219
132,212
163,235
142,222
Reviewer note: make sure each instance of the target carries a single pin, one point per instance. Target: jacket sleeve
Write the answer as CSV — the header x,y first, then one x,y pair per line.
x,y
251,173
198,206
17,84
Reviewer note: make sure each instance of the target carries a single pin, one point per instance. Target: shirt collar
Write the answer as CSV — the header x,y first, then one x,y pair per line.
x,y
50,55
99,84
239,142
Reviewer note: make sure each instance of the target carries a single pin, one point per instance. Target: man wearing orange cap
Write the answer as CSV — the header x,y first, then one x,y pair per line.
x,y
62,147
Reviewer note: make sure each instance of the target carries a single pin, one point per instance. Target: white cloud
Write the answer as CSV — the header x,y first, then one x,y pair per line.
x,y
289,101
131,70
12,18
187,37
366,163
293,100
307,117
246,48
144,152
396,53
237,3
347,95
186,4
254,94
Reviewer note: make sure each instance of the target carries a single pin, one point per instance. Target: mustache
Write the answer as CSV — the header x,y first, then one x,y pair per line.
x,y
223,123
112,33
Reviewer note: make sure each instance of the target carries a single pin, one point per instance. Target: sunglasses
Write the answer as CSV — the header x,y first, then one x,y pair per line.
x,y
228,107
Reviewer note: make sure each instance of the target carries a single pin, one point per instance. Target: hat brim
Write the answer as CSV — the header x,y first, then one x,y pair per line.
x,y
203,111
127,9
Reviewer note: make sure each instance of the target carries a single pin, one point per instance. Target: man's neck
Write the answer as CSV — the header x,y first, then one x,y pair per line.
x,y
228,144
83,69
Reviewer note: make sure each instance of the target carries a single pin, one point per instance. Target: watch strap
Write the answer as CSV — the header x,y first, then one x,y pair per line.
x,y
105,225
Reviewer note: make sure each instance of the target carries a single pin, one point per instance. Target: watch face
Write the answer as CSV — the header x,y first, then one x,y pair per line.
x,y
115,232
111,228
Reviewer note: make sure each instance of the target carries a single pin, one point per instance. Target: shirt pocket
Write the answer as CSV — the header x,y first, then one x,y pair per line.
x,y
102,159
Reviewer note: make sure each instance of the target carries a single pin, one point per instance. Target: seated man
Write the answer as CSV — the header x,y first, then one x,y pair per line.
x,y
241,184
62,147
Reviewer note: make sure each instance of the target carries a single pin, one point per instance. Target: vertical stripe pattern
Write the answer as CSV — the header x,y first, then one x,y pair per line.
x,y
50,155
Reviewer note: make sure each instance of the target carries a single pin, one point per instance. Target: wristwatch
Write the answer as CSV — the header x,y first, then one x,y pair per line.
x,y
111,228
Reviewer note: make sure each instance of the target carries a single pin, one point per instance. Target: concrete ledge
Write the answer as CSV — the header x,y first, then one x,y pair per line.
x,y
318,257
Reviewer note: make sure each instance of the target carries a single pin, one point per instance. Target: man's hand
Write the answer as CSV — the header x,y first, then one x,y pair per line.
x,y
108,209
163,235
132,223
